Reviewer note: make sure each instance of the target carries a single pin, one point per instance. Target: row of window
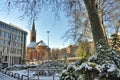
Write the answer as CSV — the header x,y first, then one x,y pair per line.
x,y
16,60
11,36
12,50
12,43
6,27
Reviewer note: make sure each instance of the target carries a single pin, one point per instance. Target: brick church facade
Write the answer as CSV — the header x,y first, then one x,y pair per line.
x,y
36,51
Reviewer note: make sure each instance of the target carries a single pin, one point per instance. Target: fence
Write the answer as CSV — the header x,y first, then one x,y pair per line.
x,y
39,71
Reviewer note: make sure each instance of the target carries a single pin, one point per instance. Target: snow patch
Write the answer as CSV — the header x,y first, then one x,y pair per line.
x,y
32,45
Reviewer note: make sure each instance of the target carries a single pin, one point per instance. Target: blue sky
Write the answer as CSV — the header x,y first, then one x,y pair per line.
x,y
45,22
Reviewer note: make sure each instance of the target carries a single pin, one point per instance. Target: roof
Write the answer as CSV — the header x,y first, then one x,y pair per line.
x,y
32,45
41,43
14,26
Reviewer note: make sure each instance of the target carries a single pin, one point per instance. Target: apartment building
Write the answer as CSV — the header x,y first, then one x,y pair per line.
x,y
12,44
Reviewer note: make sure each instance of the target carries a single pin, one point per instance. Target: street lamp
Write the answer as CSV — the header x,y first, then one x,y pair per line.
x,y
48,45
48,37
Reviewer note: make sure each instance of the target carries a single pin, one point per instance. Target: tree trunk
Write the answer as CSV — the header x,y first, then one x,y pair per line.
x,y
96,25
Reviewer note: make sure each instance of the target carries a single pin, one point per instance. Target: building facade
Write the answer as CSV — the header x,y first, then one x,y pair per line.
x,y
71,50
36,51
12,44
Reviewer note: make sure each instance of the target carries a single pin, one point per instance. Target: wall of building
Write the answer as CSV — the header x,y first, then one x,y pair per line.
x,y
12,43
39,53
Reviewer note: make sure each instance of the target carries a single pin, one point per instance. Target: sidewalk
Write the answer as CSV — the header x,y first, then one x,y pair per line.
x,y
5,77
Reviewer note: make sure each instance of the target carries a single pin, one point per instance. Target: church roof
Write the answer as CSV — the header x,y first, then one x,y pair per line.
x,y
32,45
41,43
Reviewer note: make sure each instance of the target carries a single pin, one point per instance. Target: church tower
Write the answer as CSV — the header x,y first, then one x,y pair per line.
x,y
36,50
33,33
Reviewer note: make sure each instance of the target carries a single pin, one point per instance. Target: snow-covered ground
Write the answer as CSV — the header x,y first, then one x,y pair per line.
x,y
23,72
31,75
6,77
23,75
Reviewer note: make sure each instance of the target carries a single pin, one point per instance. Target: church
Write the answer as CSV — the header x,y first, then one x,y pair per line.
x,y
36,52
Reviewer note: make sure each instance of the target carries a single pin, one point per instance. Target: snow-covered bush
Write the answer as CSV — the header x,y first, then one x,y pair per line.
x,y
70,74
109,60
115,41
104,65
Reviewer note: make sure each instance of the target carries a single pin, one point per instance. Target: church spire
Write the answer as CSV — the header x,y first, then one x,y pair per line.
x,y
33,33
33,27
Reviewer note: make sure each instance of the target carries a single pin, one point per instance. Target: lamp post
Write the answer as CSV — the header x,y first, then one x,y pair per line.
x,y
48,45
48,38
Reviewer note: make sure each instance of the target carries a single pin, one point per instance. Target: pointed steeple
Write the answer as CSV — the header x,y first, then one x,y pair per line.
x,y
33,33
33,27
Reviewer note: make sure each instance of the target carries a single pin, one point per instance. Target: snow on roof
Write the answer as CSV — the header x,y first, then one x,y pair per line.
x,y
41,43
32,45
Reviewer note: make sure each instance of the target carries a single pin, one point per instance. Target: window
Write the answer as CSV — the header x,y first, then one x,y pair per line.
x,y
13,37
14,30
7,42
5,49
17,38
5,58
4,26
2,41
21,51
2,33
18,31
0,25
7,35
1,48
7,28
11,29
21,39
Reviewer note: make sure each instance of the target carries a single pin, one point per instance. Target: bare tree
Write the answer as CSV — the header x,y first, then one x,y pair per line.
x,y
108,14
79,11
55,54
